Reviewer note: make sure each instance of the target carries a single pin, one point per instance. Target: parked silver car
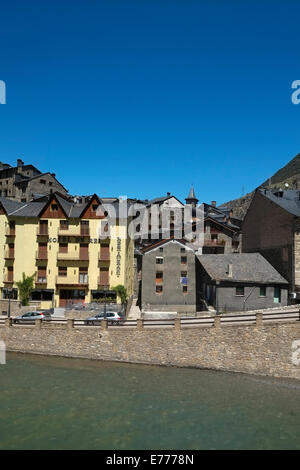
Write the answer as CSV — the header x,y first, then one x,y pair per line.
x,y
32,316
113,318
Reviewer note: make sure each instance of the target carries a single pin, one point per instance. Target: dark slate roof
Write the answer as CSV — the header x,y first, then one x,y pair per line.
x,y
192,194
29,209
10,205
289,200
246,267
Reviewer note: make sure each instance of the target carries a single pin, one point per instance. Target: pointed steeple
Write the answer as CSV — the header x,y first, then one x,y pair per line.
x,y
191,199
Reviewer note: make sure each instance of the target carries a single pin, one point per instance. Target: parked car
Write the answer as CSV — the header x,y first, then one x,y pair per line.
x,y
32,316
113,318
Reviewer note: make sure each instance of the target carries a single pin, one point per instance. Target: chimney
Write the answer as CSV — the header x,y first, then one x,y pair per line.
x,y
53,174
229,270
168,194
20,162
213,203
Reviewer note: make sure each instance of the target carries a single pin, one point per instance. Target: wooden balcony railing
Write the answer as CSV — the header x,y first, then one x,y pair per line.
x,y
104,255
41,255
42,231
103,281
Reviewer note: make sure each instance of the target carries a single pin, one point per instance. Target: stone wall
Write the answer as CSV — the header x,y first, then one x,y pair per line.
x,y
264,349
16,307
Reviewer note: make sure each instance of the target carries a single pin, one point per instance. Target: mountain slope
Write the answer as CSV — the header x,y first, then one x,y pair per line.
x,y
287,175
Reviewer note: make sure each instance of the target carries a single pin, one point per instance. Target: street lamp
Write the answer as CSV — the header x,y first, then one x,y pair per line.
x,y
217,296
105,291
9,295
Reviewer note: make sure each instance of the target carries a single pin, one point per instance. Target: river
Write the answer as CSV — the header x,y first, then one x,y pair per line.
x,y
58,403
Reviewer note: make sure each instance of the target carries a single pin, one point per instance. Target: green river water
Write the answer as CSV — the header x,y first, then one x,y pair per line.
x,y
57,403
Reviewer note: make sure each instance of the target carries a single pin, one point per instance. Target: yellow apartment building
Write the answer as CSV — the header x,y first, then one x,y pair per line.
x,y
57,239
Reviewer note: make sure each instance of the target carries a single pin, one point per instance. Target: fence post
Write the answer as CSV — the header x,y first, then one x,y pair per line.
x,y
70,323
217,322
139,324
177,323
103,324
38,323
8,322
259,320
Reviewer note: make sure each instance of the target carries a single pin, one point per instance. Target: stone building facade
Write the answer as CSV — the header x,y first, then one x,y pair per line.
x,y
24,182
169,277
272,228
240,282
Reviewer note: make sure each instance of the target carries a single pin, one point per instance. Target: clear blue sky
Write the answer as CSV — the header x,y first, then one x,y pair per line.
x,y
143,97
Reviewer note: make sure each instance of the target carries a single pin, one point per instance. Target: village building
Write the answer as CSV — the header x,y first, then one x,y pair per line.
x,y
57,238
25,182
169,277
241,281
272,228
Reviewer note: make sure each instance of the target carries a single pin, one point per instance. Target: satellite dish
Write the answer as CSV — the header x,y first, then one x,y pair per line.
x,y
286,185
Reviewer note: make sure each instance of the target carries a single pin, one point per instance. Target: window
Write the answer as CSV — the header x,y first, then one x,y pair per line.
x,y
240,291
54,207
159,260
262,292
184,289
161,250
159,277
6,294
83,275
43,181
95,207
182,250
63,248
214,237
159,289
64,224
62,271
183,260
277,295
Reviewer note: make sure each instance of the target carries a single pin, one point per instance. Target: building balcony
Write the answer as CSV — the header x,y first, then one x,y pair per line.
x,y
10,232
9,255
74,232
8,280
103,281
42,232
41,255
214,242
79,280
104,255
73,256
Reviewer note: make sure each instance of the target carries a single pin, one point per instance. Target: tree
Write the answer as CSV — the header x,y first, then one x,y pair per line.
x,y
25,287
121,292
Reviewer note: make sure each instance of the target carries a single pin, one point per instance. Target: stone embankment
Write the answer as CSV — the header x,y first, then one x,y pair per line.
x,y
263,348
